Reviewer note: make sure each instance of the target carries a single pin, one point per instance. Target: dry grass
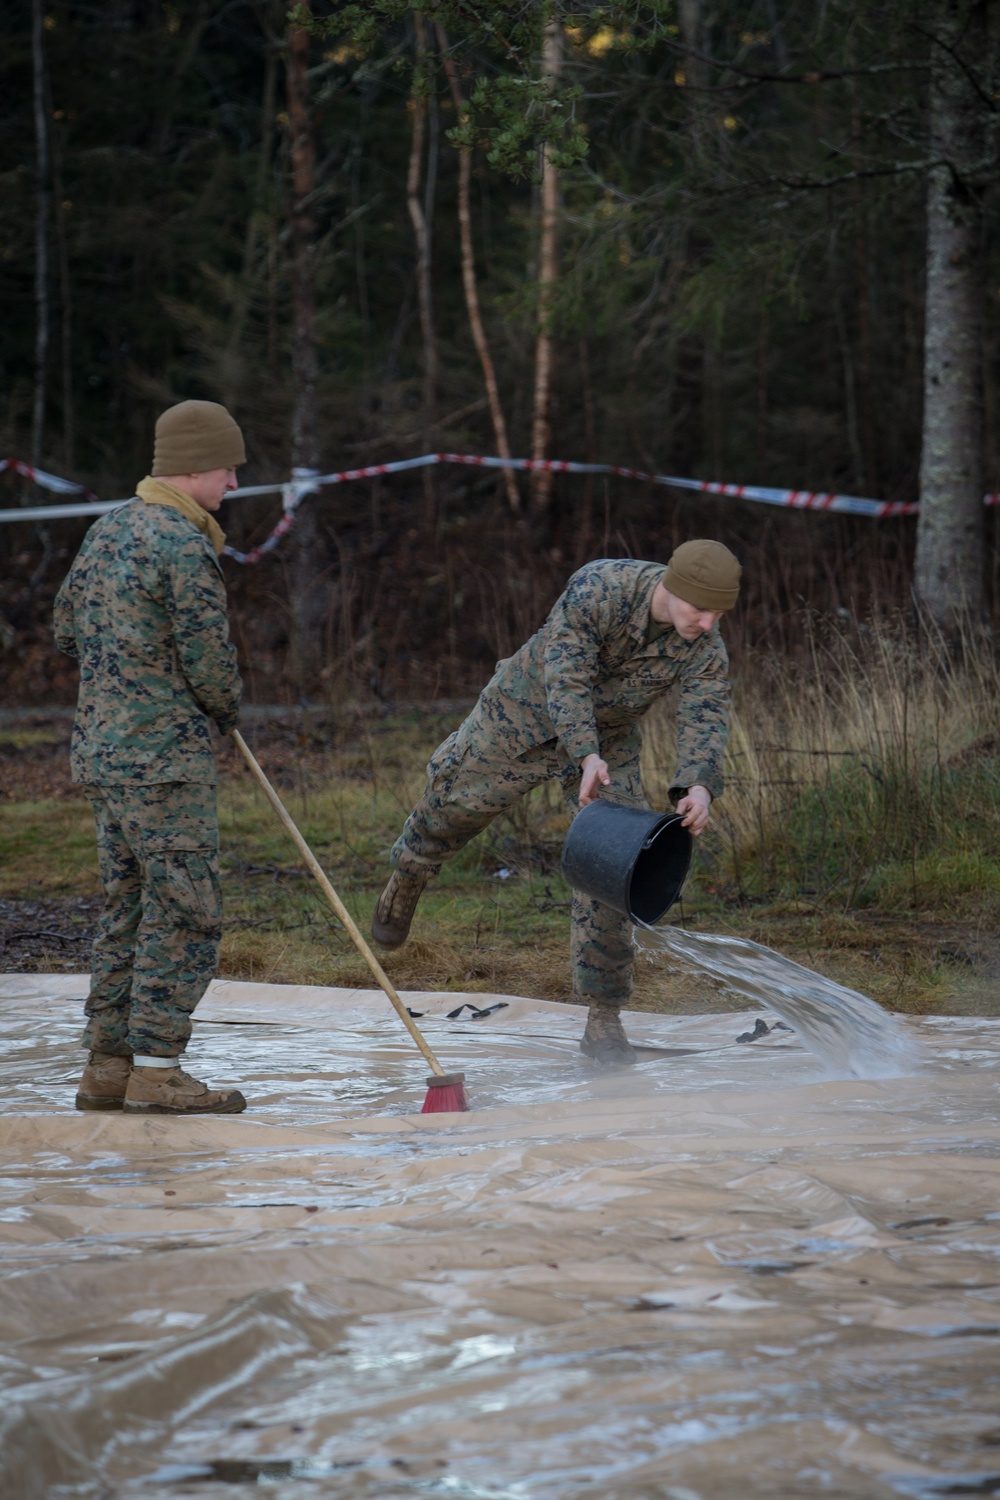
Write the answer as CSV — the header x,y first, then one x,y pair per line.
x,y
862,776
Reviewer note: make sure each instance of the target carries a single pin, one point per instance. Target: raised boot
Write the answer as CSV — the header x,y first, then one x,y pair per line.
x,y
171,1091
604,1039
395,908
104,1081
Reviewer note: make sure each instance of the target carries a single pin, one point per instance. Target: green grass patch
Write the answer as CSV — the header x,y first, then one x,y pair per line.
x,y
33,738
896,838
474,930
47,848
963,880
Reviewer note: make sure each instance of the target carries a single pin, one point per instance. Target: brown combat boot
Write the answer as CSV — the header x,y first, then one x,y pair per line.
x,y
395,908
171,1091
104,1081
604,1040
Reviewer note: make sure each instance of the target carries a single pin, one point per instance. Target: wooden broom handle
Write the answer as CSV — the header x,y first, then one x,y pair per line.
x,y
335,902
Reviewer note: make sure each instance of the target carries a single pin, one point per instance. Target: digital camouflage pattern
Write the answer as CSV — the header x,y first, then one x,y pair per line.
x,y
579,686
157,944
143,609
590,673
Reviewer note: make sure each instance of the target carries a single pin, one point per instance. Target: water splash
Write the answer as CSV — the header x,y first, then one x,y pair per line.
x,y
848,1032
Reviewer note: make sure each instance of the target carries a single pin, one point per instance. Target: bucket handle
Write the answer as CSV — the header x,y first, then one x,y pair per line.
x,y
648,841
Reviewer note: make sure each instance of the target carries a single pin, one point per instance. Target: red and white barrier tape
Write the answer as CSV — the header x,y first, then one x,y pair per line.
x,y
306,482
46,481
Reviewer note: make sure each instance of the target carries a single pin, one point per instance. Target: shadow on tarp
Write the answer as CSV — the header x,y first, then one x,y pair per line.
x,y
715,1274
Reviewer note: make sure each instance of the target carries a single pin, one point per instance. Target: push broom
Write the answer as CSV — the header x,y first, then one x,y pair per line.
x,y
446,1091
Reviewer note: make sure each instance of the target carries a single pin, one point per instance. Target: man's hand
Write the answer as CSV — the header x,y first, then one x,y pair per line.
x,y
694,808
595,775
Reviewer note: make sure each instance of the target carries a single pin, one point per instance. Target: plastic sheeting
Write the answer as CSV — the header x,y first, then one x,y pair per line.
x,y
719,1273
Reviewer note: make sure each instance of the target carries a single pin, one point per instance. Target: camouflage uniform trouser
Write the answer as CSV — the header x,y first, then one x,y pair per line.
x,y
157,943
470,780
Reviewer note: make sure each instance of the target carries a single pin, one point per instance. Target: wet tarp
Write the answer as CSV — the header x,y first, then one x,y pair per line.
x,y
719,1273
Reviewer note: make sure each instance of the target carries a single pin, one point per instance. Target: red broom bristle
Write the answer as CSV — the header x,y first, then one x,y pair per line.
x,y
446,1095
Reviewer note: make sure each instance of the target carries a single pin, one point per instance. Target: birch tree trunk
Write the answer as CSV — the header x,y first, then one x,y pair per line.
x,y
306,562
548,270
43,194
469,282
420,216
948,575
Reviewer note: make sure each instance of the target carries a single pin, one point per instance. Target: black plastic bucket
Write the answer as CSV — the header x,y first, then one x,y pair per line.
x,y
628,857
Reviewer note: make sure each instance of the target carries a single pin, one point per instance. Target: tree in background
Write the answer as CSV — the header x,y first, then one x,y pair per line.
x,y
307,561
43,197
548,275
422,170
470,282
962,38
742,232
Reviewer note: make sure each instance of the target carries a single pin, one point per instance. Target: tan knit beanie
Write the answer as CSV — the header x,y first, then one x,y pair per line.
x,y
705,574
196,436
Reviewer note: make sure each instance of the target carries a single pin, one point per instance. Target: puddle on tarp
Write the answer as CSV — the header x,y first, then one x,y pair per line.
x,y
720,1273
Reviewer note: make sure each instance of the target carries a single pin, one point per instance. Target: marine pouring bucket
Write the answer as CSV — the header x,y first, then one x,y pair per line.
x,y
628,857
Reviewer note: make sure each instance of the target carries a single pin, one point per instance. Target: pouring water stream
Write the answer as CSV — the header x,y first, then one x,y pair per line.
x,y
849,1033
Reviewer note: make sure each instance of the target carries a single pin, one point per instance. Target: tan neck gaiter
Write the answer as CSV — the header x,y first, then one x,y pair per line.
x,y
155,492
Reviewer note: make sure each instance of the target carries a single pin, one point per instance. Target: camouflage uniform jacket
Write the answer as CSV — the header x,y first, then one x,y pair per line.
x,y
143,609
589,675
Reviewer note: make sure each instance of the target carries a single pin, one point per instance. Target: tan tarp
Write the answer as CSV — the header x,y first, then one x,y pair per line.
x,y
716,1275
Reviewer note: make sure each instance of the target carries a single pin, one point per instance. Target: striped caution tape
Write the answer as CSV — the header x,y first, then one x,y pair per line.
x,y
796,499
305,482
45,481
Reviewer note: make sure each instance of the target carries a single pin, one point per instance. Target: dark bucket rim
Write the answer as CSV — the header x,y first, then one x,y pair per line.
x,y
671,824
603,861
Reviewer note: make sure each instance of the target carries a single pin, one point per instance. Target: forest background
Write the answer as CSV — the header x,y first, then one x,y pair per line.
x,y
698,243
748,242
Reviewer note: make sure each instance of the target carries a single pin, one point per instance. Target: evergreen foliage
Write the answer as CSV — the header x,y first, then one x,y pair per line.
x,y
739,297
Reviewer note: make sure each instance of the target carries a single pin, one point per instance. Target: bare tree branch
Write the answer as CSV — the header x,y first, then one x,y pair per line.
x,y
985,97
749,78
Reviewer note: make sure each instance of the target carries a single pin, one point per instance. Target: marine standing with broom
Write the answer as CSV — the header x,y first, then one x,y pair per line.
x,y
567,704
143,609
